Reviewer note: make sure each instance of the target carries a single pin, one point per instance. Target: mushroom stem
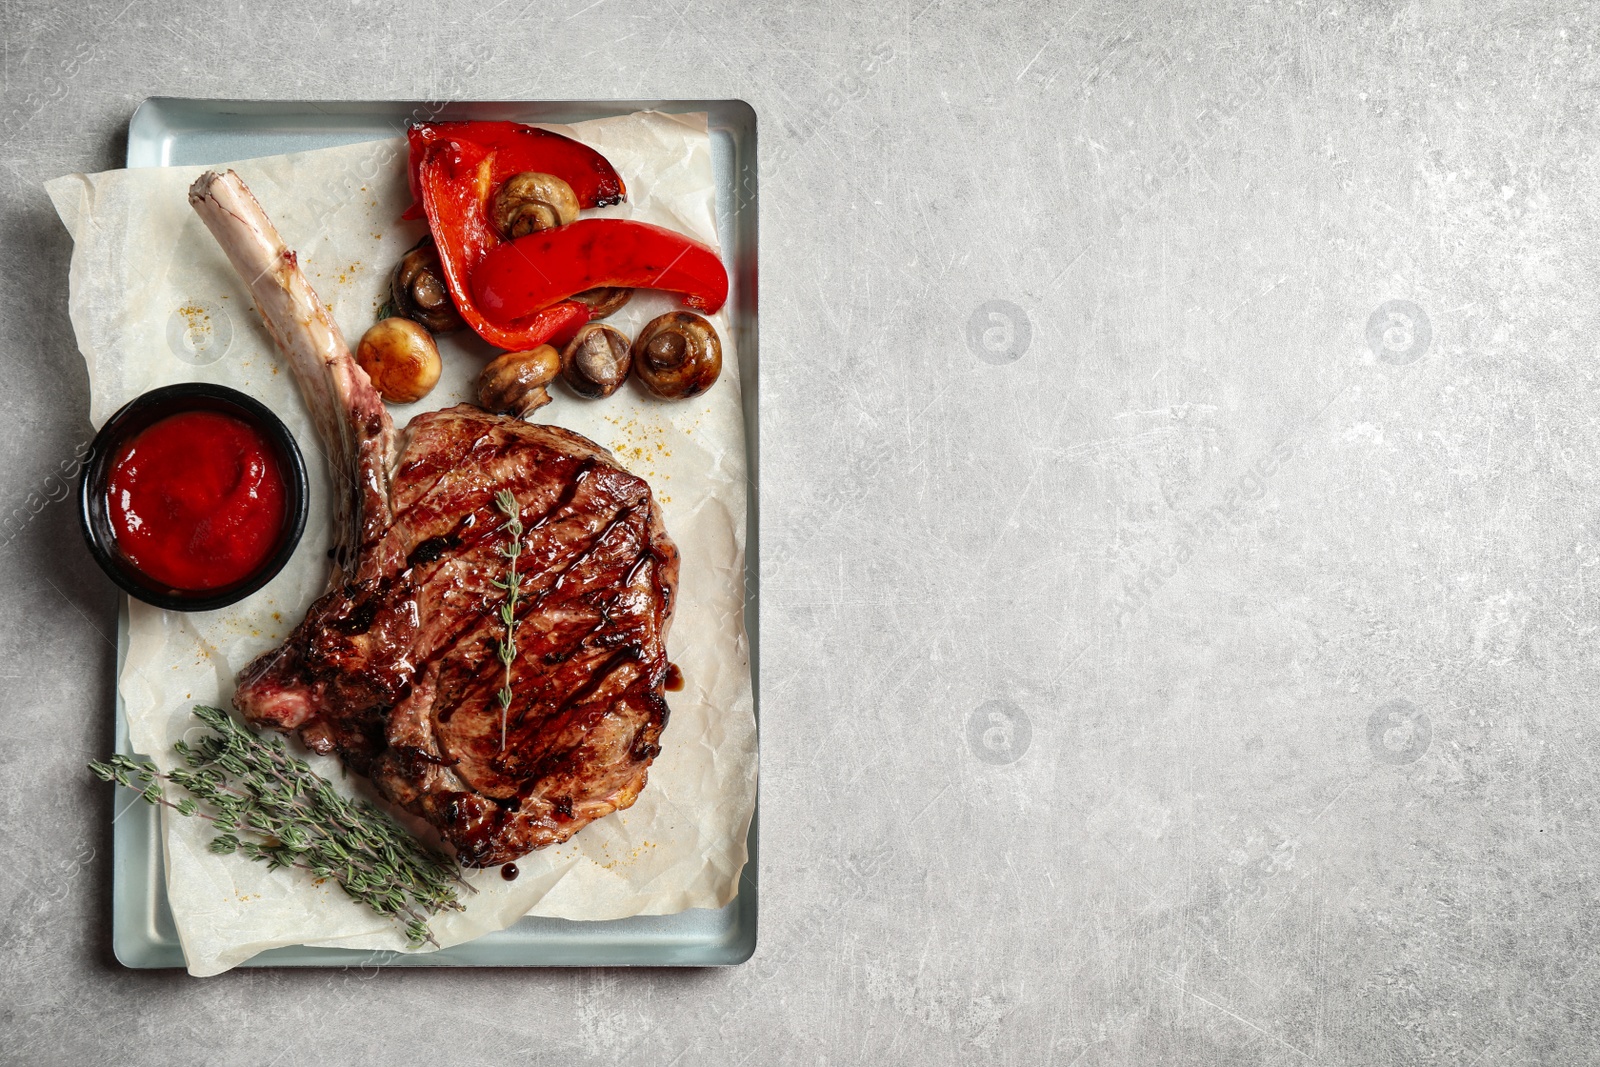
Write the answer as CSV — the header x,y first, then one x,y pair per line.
x,y
514,382
595,362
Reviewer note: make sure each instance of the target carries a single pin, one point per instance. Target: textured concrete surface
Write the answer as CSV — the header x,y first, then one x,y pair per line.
x,y
1178,471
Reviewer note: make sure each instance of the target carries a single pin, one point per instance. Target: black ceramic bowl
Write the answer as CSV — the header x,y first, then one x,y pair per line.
x,y
142,412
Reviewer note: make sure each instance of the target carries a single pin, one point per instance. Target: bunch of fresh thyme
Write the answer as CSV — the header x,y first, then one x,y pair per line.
x,y
506,647
272,807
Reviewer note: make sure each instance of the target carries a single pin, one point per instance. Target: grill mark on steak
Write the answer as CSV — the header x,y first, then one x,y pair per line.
x,y
627,654
603,612
567,494
561,575
432,550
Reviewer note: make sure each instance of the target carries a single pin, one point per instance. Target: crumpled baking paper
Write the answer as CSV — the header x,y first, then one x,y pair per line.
x,y
154,301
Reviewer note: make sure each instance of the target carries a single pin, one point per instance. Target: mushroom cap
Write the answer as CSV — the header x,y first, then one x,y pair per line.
x,y
604,300
401,359
595,362
418,289
677,355
533,201
514,382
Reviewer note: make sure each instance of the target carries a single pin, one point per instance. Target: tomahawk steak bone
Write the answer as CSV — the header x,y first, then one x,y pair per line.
x,y
395,667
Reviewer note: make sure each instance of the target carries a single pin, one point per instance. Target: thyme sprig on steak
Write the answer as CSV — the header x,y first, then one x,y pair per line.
x,y
506,648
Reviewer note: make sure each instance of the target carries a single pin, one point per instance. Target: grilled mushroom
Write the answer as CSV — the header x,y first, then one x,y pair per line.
x,y
604,300
514,383
418,289
595,362
677,355
400,358
531,201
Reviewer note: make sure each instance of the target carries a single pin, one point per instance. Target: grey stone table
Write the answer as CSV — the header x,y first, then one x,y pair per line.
x,y
1179,499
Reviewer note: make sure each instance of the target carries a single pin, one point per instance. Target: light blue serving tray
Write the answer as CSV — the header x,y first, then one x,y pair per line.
x,y
171,132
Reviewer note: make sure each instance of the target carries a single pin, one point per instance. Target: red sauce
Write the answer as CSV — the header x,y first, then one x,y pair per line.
x,y
197,500
674,678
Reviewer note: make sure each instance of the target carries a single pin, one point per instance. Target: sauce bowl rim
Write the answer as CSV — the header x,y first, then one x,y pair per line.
x,y
137,415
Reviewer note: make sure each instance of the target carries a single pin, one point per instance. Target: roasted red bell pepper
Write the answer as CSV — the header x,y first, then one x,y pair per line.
x,y
456,182
524,276
518,148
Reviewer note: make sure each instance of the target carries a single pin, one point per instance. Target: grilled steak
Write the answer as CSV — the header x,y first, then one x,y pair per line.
x,y
395,667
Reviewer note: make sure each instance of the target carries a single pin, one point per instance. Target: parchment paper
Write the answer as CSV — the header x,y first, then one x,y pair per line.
x,y
154,301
